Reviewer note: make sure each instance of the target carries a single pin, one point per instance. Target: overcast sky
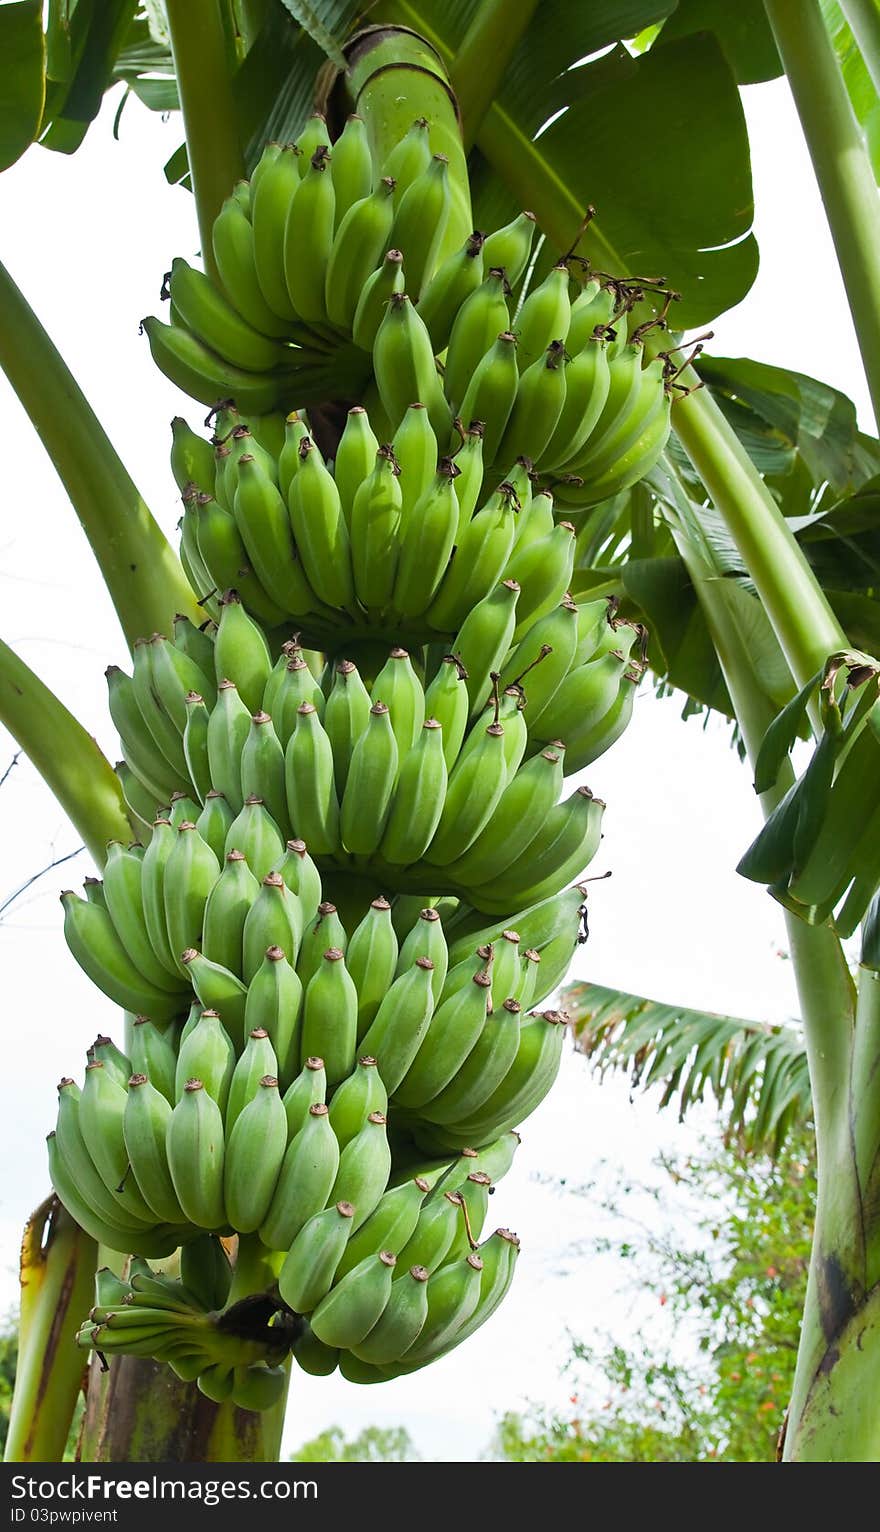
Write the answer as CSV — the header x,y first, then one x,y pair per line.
x,y
88,239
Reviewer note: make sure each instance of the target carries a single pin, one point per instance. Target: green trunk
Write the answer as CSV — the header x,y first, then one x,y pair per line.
x,y
139,1412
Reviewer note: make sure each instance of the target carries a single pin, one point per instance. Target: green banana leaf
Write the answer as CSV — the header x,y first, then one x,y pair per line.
x,y
757,1074
742,30
22,50
860,87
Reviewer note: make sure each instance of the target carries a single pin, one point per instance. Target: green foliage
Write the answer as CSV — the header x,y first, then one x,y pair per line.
x,y
756,1074
375,1444
731,1295
21,102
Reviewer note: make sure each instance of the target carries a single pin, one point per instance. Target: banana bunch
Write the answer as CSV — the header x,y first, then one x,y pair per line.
x,y
443,782
175,1320
377,1296
344,1030
397,539
307,254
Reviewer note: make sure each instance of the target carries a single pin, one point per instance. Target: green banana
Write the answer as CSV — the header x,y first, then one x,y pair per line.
x,y
390,1226
183,810
469,480
369,784
308,238
355,457
566,844
374,299
540,399
309,777
364,1166
295,429
262,519
91,937
314,136
271,199
454,1030
204,375
476,783
438,1223
298,686
123,896
192,458
304,1181
352,1307
313,1257
410,156
426,543
80,1171
312,1355
191,871
346,718
481,557
207,1054
257,1060
215,322
225,557
482,317
274,1003
426,939
218,990
115,1235
485,638
359,1094
324,929
262,768
308,1089
117,1065
447,702
453,1294
273,919
361,239
329,1027
418,800
526,1083
152,1054
511,246
101,1111
544,317
593,307
517,819
301,876
195,744
371,961
587,381
255,1149
491,393
420,222
319,529
401,1321
398,685
226,910
375,527
352,167
241,653
487,1064
593,740
403,361
449,288
255,833
195,1150
145,1125
232,239
556,632
401,1022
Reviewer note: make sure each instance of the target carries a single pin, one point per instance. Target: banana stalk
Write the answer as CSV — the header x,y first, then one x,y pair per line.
x,y
66,757
394,76
57,1281
142,573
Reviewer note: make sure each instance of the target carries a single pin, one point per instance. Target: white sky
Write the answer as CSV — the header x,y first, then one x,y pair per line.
x,y
88,240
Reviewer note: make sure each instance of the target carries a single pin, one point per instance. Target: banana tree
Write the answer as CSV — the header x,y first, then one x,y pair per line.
x,y
501,99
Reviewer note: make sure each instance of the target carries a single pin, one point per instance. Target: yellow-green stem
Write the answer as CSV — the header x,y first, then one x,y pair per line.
x,y
483,56
57,1289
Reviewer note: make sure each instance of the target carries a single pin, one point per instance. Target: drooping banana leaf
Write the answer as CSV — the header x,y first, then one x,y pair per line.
x,y
756,1073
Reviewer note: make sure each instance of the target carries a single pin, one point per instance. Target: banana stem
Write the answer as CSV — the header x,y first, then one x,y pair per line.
x,y
827,999
201,64
483,55
841,163
65,755
141,570
864,23
57,1282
